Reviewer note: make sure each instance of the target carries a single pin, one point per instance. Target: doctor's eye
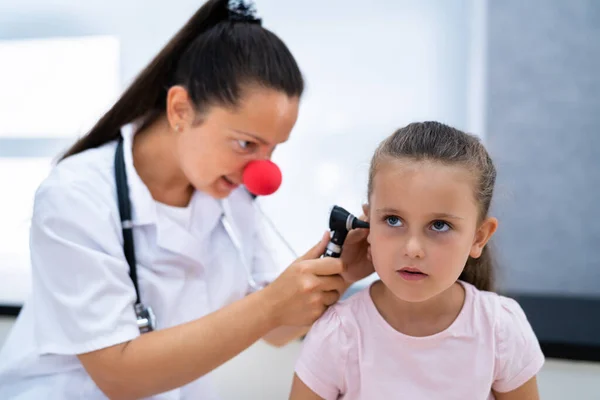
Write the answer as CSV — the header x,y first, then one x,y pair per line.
x,y
245,145
392,220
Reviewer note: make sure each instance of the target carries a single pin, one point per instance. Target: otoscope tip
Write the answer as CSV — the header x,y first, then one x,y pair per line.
x,y
358,223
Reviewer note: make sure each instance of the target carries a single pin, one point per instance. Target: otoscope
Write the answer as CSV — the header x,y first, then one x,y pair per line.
x,y
340,223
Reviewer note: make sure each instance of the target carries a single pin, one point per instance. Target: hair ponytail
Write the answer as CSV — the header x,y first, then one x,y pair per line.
x,y
479,272
145,99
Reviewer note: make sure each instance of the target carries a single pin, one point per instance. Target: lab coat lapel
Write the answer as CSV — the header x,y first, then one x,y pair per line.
x,y
241,214
193,244
206,213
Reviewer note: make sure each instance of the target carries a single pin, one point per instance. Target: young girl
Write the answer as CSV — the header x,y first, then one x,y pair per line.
x,y
430,328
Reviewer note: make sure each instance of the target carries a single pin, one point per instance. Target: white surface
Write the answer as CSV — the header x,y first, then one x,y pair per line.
x,y
51,88
22,176
476,98
263,372
56,87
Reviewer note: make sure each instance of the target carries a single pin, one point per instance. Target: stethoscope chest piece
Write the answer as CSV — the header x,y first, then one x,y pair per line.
x,y
146,320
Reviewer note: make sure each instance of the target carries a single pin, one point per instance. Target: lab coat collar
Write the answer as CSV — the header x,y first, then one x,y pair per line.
x,y
205,211
143,207
194,243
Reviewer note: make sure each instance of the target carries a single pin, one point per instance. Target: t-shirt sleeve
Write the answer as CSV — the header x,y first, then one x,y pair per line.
x,y
323,357
518,354
82,295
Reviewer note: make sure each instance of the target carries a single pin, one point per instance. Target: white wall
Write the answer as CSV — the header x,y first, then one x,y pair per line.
x,y
46,85
369,70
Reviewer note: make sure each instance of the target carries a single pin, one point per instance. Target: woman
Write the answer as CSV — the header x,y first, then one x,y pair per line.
x,y
222,93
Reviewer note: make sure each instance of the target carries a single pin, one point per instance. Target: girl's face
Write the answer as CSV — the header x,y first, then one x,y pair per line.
x,y
213,154
425,223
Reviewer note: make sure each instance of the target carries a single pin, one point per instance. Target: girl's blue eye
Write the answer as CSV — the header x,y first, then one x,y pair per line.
x,y
440,226
244,144
393,221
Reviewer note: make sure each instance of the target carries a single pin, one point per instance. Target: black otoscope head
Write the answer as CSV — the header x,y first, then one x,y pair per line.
x,y
340,223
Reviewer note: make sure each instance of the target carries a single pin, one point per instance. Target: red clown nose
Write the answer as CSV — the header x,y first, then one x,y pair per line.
x,y
262,177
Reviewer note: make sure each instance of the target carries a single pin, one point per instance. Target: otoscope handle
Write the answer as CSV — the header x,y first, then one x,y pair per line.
x,y
334,247
340,223
332,250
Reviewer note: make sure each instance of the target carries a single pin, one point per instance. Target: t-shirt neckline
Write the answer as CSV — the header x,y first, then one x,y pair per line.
x,y
453,330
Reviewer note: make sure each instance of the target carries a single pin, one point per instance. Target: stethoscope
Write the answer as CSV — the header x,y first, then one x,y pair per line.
x,y
146,320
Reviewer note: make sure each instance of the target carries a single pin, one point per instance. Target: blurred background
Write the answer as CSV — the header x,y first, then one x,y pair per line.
x,y
524,76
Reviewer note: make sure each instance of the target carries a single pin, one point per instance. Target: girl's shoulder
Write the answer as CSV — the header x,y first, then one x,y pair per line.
x,y
517,351
342,320
353,308
495,310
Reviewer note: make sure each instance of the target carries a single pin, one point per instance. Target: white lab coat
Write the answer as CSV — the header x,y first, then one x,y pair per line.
x,y
82,296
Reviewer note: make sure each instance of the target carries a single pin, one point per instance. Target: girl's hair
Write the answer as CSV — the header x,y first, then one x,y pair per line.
x,y
433,141
220,50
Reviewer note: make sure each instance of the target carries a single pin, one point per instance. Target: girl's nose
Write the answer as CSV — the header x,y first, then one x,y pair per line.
x,y
414,249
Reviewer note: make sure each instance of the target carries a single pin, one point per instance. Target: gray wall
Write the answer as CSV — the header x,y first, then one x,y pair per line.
x,y
543,124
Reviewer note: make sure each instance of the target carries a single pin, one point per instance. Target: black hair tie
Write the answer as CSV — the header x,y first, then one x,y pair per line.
x,y
243,11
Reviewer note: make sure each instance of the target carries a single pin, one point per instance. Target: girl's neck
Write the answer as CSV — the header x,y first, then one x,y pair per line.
x,y
155,160
419,319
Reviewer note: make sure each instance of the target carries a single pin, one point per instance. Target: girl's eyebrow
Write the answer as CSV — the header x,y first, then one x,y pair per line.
x,y
389,210
445,216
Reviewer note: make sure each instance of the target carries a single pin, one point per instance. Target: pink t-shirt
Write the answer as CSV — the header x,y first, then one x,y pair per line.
x,y
353,353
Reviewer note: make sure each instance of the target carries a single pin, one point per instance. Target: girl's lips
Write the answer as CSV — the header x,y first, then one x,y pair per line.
x,y
412,274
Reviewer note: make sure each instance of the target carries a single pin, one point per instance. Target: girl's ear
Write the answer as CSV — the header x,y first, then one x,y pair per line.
x,y
483,235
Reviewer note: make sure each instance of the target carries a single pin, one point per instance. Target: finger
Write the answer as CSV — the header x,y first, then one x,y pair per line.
x,y
356,235
330,297
317,250
325,266
333,282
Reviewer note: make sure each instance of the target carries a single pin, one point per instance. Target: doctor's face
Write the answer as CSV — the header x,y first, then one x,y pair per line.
x,y
214,151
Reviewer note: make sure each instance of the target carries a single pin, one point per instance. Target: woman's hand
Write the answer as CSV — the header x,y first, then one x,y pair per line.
x,y
356,254
302,293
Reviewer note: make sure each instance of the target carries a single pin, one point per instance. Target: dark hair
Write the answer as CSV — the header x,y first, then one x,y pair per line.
x,y
434,141
216,53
